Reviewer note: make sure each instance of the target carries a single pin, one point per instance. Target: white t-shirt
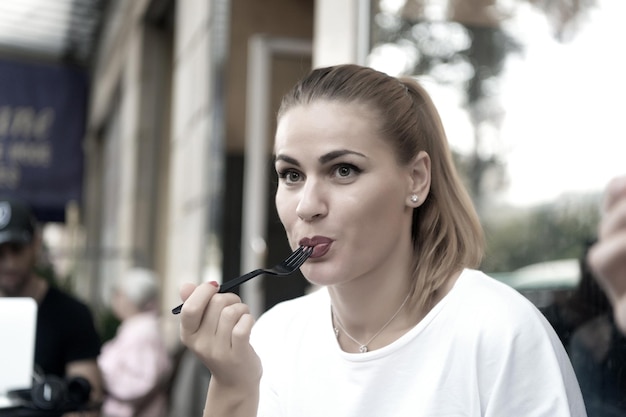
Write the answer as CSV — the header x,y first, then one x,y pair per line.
x,y
484,350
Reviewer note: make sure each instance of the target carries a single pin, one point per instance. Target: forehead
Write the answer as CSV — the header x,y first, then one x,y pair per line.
x,y
324,123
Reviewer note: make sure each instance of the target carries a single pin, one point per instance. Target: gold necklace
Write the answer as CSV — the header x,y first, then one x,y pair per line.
x,y
363,346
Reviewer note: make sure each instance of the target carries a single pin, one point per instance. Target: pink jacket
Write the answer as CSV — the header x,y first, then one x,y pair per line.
x,y
133,363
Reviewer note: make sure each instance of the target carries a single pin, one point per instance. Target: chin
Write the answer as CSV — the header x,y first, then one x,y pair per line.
x,y
10,289
320,275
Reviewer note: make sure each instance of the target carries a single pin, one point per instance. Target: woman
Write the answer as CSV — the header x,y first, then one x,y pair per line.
x,y
135,363
403,325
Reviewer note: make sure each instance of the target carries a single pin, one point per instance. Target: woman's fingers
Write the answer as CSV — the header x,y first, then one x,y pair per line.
x,y
209,316
186,289
195,306
229,319
216,327
241,334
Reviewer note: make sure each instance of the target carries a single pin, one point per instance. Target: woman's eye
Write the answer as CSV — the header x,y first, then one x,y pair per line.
x,y
346,170
289,175
293,176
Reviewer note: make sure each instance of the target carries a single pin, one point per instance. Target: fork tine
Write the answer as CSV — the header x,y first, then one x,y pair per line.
x,y
308,251
295,254
302,257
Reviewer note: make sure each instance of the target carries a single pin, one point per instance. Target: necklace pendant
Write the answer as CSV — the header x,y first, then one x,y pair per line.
x,y
363,349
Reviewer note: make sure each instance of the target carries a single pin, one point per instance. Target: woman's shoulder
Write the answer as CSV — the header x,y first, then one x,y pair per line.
x,y
483,291
483,302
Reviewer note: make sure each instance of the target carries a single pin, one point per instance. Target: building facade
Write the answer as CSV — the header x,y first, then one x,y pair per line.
x,y
179,138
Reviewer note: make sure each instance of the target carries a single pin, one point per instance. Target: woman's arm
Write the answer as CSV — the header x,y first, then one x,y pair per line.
x,y
230,401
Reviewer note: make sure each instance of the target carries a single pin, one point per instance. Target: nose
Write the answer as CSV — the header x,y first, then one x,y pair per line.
x,y
312,204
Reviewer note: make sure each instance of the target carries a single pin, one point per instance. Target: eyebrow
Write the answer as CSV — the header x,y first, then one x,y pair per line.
x,y
324,159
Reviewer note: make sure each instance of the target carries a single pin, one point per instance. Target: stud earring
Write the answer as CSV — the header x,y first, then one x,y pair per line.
x,y
414,198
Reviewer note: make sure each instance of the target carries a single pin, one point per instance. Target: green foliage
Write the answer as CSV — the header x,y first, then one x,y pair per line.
x,y
108,325
543,233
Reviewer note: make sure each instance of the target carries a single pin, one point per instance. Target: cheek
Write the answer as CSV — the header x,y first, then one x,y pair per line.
x,y
285,207
381,215
22,257
382,200
119,303
25,260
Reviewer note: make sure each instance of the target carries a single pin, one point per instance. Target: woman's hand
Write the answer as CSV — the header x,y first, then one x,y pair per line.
x,y
216,327
607,258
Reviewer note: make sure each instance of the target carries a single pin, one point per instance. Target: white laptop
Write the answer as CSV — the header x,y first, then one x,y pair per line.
x,y
18,320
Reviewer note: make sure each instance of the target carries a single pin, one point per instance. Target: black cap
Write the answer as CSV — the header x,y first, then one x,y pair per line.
x,y
17,224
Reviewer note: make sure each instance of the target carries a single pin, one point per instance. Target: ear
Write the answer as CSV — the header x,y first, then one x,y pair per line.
x,y
419,179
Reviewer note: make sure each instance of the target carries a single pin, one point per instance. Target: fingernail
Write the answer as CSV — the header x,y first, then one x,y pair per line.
x,y
214,283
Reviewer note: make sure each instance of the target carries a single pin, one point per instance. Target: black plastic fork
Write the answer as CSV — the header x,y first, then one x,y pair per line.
x,y
286,267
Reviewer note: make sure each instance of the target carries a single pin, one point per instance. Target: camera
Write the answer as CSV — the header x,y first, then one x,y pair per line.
x,y
51,396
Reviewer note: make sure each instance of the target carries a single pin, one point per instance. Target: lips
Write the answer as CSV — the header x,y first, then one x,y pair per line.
x,y
320,244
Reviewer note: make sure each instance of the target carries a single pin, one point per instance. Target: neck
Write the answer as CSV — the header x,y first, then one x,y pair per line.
x,y
366,301
381,322
366,345
364,304
376,321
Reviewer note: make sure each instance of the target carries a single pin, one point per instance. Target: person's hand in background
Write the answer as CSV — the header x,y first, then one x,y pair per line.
x,y
607,258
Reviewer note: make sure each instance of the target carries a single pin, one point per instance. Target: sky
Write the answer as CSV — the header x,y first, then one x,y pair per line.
x,y
564,127
565,124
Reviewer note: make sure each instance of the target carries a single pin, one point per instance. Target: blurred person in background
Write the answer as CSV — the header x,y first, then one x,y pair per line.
x,y
587,301
135,363
584,322
607,258
67,343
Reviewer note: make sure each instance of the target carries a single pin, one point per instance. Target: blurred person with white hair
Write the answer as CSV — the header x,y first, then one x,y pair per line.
x,y
135,363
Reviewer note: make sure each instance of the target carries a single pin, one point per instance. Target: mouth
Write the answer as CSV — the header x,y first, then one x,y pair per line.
x,y
320,244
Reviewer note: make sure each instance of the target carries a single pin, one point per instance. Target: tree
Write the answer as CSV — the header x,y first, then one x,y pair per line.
x,y
466,47
547,232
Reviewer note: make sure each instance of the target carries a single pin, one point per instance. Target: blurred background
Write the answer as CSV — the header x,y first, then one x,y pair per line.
x,y
141,130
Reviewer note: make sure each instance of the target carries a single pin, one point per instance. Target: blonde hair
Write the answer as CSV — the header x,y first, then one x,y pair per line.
x,y
446,231
140,286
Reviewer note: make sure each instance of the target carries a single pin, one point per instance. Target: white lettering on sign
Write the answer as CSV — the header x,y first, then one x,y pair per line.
x,y
30,154
24,142
26,122
9,176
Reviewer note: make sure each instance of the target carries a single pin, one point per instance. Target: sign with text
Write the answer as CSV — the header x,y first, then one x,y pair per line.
x,y
42,124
